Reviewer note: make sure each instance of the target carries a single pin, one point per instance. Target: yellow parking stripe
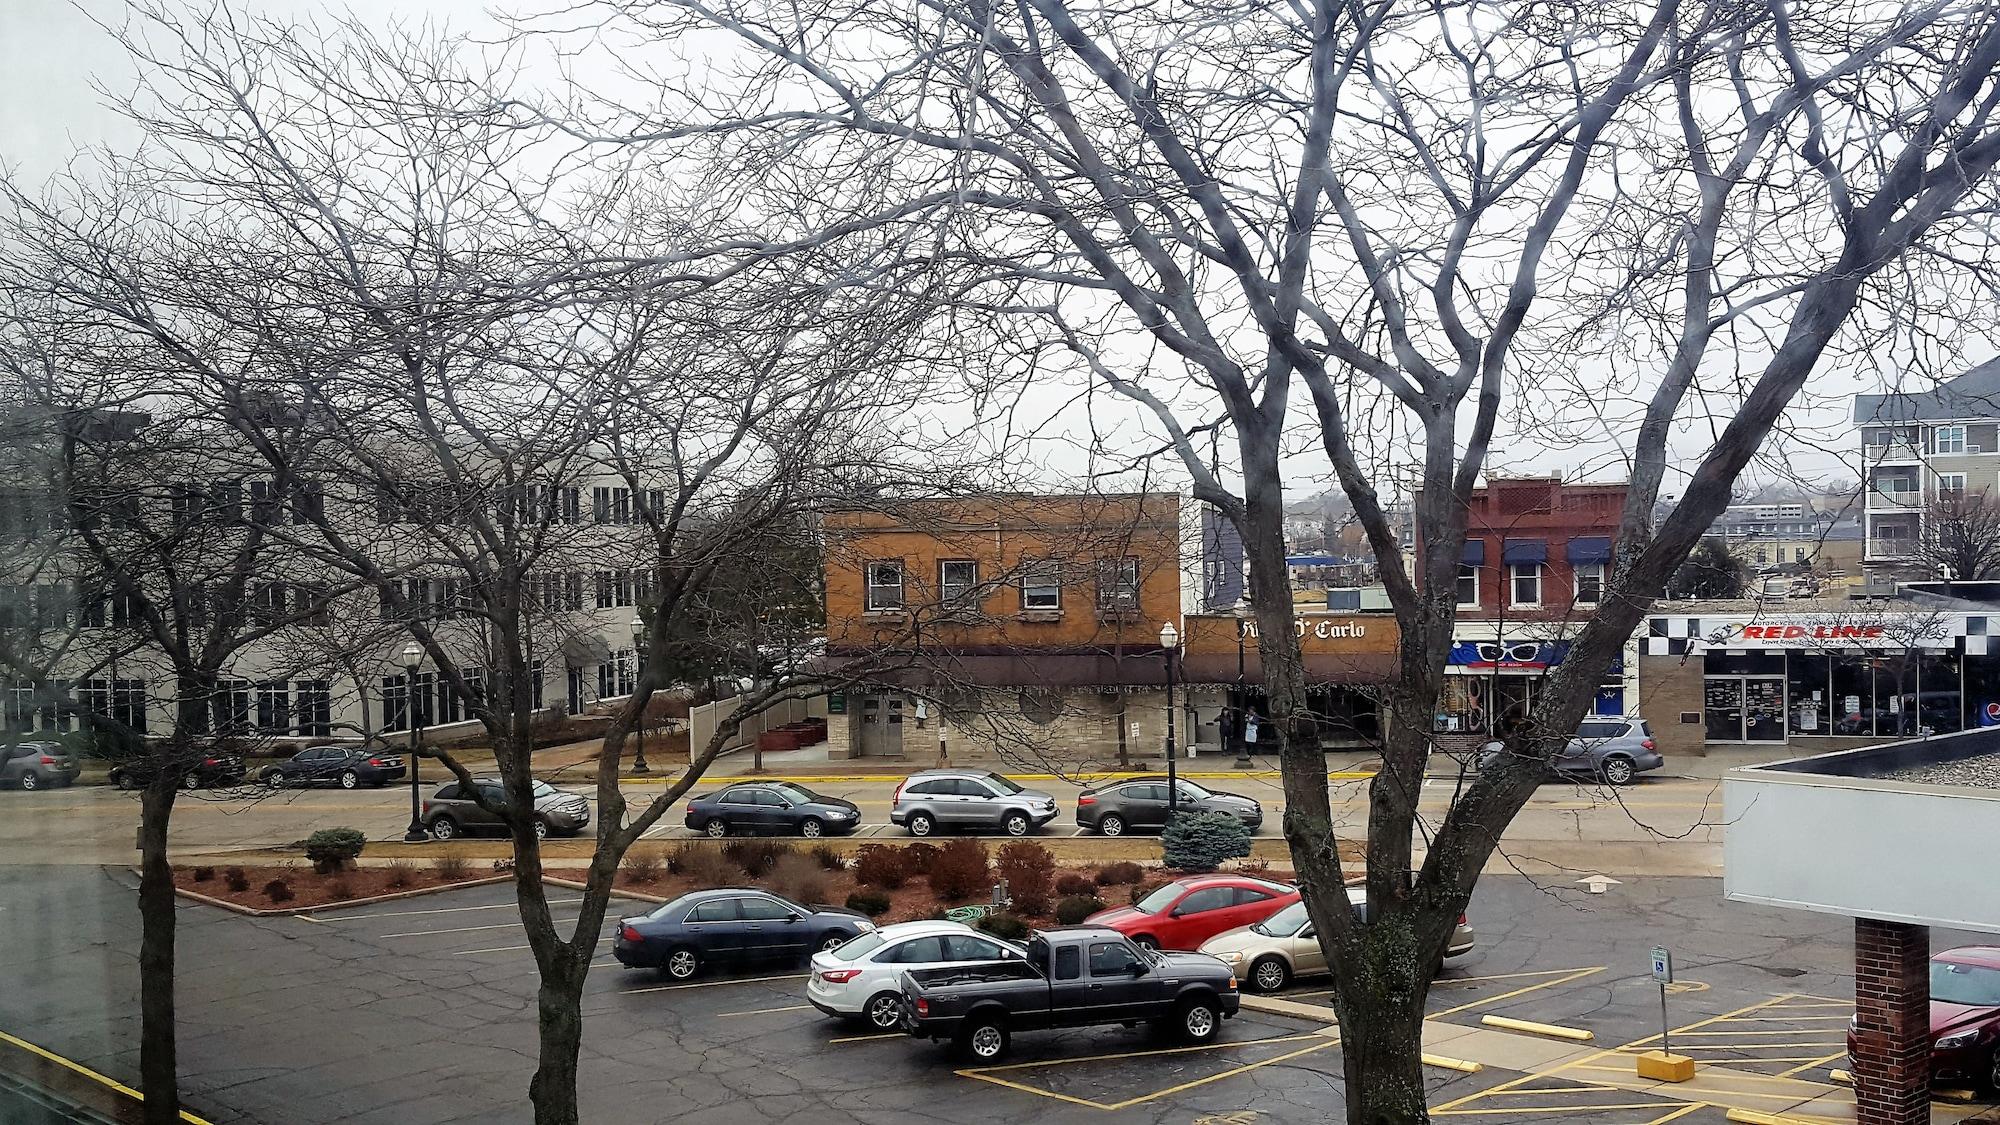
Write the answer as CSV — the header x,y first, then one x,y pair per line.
x,y
78,1068
1835,1057
987,1074
1072,1060
1543,1109
1575,975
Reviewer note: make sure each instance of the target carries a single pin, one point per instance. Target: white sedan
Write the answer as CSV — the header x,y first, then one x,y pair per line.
x,y
861,978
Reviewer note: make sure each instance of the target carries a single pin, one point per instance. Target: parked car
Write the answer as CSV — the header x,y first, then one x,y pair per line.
x,y
1616,751
1270,954
979,799
214,771
861,979
1142,803
451,812
772,807
1965,1017
349,767
1073,976
729,927
38,765
1189,911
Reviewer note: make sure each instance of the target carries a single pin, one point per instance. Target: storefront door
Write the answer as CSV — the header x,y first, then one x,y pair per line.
x,y
1744,708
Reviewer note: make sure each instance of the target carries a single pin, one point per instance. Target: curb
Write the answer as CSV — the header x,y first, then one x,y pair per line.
x,y
1198,775
297,911
1272,1005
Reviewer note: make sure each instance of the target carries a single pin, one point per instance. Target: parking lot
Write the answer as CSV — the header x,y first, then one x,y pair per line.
x,y
423,1010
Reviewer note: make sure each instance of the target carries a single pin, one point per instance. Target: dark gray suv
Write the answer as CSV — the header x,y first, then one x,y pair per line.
x,y
38,765
1142,803
451,812
979,800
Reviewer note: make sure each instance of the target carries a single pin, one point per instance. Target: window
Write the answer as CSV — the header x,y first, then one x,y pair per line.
x,y
956,580
1950,439
264,506
1526,583
312,704
1117,585
764,910
1069,963
1798,554
1111,959
1245,896
885,585
1208,898
1041,584
274,707
605,589
715,910
1763,555
917,951
965,947
611,504
122,701
1589,583
1468,585
1951,484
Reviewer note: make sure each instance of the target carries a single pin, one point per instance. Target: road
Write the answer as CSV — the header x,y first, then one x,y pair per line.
x,y
1564,824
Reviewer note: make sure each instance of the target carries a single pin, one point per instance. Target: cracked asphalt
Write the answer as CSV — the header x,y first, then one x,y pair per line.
x,y
422,1011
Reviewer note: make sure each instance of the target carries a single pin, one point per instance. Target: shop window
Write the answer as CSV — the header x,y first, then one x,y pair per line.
x,y
1852,694
1939,704
1525,584
1468,585
1982,690
885,585
1810,698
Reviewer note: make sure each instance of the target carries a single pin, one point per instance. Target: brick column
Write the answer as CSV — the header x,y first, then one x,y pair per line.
x,y
1892,1001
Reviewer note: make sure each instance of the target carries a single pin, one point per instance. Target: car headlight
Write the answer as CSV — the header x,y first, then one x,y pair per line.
x,y
1232,957
1957,1039
865,926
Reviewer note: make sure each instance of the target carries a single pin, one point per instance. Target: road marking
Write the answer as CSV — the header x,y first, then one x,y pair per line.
x,y
1783,1019
78,1068
1542,1108
1574,975
467,929
709,984
986,1074
764,1011
868,1038
1503,976
511,948
346,917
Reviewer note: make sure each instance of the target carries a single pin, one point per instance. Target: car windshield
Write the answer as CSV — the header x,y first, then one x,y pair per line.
x,y
1006,784
1973,985
1284,923
544,789
1192,792
1159,900
856,948
796,792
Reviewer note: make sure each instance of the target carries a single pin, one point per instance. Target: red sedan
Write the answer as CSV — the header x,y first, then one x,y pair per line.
x,y
1965,1017
1189,911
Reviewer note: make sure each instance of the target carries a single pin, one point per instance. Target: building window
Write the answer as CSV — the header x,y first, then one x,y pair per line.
x,y
956,580
395,703
1589,583
1951,484
274,707
1950,439
611,504
1041,584
1763,555
1468,584
885,585
1118,585
1798,554
312,703
122,701
1526,583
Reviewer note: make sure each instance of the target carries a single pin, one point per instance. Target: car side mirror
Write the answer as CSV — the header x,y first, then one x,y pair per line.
x,y
1139,969
789,918
1308,935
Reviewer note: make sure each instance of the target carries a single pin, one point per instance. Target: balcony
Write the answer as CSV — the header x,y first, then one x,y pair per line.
x,y
1892,452
1888,550
1895,499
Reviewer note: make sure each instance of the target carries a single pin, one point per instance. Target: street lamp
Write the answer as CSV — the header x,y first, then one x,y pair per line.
x,y
1243,761
1170,639
639,646
743,684
413,659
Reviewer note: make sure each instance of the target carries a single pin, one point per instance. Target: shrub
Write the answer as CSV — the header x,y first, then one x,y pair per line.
x,y
1076,908
236,879
879,865
1006,927
1118,874
827,858
961,870
799,878
707,867
642,866
1069,884
1201,841
918,857
679,855
755,857
203,874
401,874
278,891
451,867
1029,870
334,849
340,890
872,903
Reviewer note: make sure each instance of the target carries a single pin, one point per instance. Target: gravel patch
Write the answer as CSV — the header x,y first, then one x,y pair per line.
x,y
1982,772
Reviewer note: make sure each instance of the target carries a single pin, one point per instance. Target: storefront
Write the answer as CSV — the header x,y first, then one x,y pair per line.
x,y
1348,658
1770,679
1489,680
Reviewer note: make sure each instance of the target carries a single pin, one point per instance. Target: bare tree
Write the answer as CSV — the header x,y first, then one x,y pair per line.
x,y
1404,217
1961,536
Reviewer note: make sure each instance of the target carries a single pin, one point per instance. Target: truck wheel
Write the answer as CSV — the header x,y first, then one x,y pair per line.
x,y
1198,1020
984,1040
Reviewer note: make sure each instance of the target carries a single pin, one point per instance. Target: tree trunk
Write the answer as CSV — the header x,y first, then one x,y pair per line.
x,y
1381,1046
559,1011
158,1064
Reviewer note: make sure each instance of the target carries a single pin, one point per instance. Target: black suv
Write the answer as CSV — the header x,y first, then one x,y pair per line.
x,y
349,767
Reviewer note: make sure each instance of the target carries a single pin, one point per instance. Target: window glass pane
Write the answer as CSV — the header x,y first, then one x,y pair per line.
x,y
1809,698
764,910
1111,959
1069,963
1852,695
964,947
921,951
1896,693
1939,705
715,910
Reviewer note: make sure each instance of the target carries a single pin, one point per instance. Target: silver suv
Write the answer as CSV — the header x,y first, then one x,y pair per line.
x,y
978,799
1614,750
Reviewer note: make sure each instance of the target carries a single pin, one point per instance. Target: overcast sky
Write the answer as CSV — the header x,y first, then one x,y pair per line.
x,y
51,52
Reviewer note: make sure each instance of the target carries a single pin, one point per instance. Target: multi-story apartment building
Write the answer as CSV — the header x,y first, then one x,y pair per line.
x,y
1920,447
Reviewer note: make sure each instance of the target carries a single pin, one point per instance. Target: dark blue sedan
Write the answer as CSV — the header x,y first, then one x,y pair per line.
x,y
732,926
772,807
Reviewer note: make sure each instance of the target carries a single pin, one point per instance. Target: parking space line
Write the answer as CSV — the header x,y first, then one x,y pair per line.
x,y
1586,1108
1568,977
987,1074
464,929
1146,1053
710,984
1836,1056
74,1067
1681,1112
764,1011
868,1038
511,948
344,916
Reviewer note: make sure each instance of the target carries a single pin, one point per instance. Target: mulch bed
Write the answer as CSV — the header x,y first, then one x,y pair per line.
x,y
309,888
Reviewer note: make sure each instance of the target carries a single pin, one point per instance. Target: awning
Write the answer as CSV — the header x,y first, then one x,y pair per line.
x,y
1525,551
1474,553
1587,549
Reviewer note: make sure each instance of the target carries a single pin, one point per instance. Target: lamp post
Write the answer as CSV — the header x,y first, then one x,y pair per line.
x,y
638,646
1170,639
1243,761
743,686
413,659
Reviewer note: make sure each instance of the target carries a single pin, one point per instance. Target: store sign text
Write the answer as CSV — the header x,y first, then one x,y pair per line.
x,y
1811,632
1324,630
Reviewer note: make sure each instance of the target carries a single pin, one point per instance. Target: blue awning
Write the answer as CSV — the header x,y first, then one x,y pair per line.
x,y
1475,552
1525,551
1587,549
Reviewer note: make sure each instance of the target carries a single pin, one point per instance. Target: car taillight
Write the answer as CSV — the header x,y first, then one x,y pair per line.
x,y
48,761
427,808
898,795
1461,919
1086,799
1648,744
839,976
923,1007
210,762
376,762
629,933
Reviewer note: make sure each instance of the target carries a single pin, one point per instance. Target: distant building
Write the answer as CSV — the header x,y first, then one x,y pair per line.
x,y
1796,535
1917,447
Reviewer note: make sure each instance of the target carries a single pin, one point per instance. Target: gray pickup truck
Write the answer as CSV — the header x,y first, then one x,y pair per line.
x,y
1074,976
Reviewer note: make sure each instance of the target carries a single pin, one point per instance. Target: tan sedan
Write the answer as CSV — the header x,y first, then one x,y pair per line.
x,y
1267,955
